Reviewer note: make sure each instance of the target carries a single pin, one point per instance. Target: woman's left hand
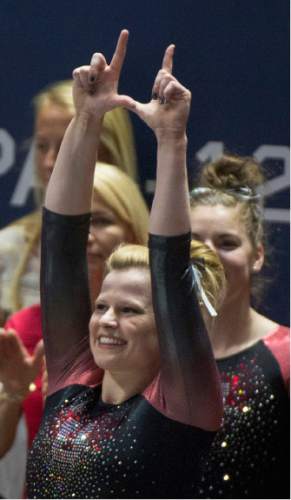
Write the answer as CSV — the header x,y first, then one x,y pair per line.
x,y
167,112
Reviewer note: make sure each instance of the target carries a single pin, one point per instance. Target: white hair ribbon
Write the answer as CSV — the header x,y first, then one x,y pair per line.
x,y
201,293
243,192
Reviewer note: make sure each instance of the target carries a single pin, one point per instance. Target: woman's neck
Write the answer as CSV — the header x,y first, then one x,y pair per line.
x,y
118,387
237,327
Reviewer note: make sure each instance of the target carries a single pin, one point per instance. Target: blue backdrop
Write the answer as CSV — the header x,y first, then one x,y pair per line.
x,y
234,56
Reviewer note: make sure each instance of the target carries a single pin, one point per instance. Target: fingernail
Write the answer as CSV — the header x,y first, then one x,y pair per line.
x,y
154,95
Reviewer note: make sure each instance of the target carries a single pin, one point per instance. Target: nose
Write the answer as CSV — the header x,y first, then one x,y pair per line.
x,y
94,238
93,230
109,318
90,236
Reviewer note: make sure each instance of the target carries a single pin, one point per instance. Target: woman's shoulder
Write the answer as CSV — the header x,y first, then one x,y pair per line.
x,y
279,332
264,328
278,338
278,342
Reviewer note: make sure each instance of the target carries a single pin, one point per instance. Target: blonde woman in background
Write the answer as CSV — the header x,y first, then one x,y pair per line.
x,y
119,214
19,242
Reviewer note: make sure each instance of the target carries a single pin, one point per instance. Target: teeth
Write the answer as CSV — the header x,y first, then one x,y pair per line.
x,y
110,340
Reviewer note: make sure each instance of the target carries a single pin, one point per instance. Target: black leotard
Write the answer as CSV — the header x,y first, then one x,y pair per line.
x,y
148,446
250,455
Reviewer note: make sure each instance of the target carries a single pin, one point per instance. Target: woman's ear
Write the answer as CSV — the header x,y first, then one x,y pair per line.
x,y
259,258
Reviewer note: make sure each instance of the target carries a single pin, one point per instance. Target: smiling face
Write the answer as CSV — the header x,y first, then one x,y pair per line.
x,y
123,333
223,230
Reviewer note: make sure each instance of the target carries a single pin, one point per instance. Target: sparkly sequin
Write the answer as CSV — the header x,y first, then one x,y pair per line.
x,y
87,449
249,456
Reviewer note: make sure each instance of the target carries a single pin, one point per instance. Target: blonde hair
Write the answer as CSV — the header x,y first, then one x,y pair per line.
x,y
226,177
58,93
116,139
212,272
32,229
206,260
128,256
118,191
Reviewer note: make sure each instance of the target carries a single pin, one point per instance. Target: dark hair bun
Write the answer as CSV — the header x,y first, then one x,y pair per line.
x,y
230,172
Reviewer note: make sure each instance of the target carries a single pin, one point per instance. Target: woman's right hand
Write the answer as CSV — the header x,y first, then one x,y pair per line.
x,y
18,369
95,87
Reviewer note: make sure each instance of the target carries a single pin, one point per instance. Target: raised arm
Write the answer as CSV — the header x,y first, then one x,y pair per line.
x,y
64,282
189,380
166,114
95,91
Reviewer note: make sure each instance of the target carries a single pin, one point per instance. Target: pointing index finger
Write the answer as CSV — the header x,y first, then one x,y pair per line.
x,y
120,51
167,63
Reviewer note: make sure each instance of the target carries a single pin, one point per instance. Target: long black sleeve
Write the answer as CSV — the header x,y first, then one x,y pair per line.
x,y
65,297
189,377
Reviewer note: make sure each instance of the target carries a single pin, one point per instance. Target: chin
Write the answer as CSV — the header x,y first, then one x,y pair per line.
x,y
106,361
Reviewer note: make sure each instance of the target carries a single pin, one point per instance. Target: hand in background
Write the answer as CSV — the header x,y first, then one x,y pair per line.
x,y
18,369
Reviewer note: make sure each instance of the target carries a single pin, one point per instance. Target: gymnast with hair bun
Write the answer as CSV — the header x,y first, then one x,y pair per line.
x,y
249,457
